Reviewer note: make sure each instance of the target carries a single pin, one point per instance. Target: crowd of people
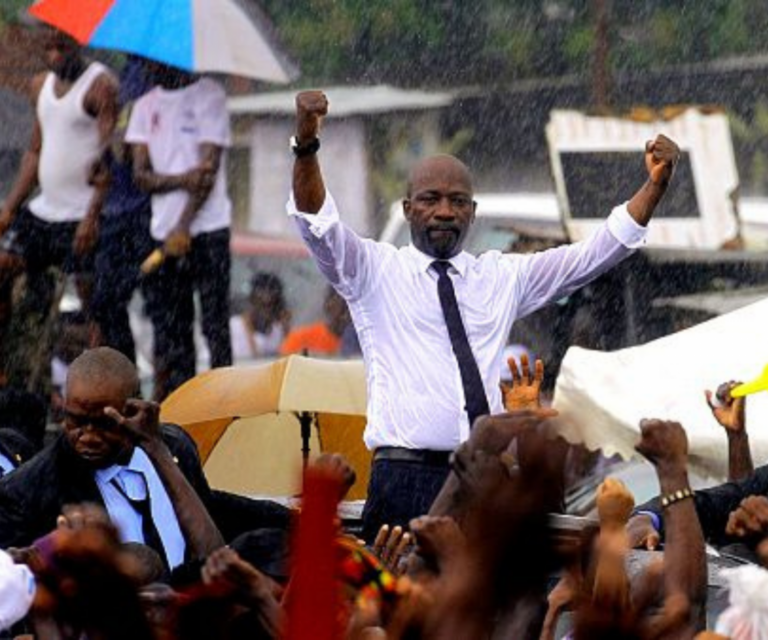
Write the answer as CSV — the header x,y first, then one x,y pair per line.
x,y
108,526
111,531
132,194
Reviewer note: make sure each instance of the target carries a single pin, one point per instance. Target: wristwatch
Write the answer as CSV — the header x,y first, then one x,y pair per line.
x,y
309,148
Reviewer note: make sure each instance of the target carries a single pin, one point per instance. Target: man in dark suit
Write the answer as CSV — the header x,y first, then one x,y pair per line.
x,y
113,452
14,450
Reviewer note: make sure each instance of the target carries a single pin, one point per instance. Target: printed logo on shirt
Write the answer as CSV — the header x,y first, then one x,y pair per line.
x,y
188,121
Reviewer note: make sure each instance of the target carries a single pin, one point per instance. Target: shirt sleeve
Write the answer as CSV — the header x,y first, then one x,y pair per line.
x,y
714,505
138,125
547,276
212,116
346,260
655,518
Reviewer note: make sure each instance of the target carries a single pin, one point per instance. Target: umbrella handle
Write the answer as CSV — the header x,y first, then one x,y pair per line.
x,y
305,420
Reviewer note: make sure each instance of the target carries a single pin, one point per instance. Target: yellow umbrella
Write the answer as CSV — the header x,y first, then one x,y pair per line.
x,y
244,420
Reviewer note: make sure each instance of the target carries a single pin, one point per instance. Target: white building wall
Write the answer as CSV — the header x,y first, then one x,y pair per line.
x,y
344,160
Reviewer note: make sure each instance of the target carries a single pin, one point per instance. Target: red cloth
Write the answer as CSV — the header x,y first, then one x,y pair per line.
x,y
313,606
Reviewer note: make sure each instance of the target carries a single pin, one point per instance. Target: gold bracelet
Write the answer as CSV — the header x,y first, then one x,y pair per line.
x,y
676,496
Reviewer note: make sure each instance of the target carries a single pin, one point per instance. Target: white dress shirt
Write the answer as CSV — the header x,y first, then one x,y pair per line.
x,y
415,394
135,478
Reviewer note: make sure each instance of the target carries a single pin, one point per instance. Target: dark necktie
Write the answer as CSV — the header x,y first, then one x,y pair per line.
x,y
474,393
148,529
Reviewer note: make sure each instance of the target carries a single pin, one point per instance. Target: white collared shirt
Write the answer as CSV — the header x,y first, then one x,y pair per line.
x,y
135,478
415,394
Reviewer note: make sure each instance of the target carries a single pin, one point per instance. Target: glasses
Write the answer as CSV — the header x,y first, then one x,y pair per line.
x,y
79,421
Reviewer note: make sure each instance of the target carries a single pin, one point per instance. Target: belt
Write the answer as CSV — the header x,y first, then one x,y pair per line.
x,y
420,456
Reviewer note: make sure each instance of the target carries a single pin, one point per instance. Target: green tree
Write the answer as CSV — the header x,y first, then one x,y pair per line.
x,y
10,10
430,43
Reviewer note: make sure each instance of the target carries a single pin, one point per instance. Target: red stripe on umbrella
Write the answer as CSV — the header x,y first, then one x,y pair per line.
x,y
78,18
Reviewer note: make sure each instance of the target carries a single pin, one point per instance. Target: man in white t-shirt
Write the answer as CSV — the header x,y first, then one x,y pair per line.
x,y
75,114
180,130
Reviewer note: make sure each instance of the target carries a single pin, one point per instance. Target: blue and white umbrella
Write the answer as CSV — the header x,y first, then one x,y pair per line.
x,y
216,36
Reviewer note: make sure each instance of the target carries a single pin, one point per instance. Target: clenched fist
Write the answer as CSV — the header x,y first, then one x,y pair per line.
x,y
664,444
614,503
311,107
661,157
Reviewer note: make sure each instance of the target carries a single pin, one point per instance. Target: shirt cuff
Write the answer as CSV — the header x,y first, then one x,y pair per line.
x,y
319,222
624,228
655,520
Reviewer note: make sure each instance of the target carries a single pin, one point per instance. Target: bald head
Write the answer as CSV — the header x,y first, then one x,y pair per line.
x,y
439,206
439,168
105,365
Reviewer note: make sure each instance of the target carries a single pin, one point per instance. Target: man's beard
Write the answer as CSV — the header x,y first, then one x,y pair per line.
x,y
445,244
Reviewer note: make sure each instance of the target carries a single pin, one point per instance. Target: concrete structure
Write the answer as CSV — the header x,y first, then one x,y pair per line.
x,y
378,125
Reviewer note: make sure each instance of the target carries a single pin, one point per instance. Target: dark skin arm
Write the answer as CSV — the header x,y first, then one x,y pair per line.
x,y
308,185
101,103
665,445
197,182
491,434
227,573
141,420
661,157
730,413
750,519
26,180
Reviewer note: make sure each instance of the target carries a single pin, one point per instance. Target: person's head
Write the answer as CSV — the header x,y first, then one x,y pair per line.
x,y
72,335
267,550
25,413
266,300
336,312
62,53
167,76
97,379
439,205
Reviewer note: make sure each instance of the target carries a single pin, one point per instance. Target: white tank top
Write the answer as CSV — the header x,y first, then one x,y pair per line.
x,y
70,147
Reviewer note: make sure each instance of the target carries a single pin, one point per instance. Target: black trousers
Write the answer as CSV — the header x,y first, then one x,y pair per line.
x,y
170,306
124,242
399,491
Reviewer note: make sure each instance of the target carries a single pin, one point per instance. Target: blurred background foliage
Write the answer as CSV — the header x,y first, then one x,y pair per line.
x,y
498,44
445,43
10,10
465,42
